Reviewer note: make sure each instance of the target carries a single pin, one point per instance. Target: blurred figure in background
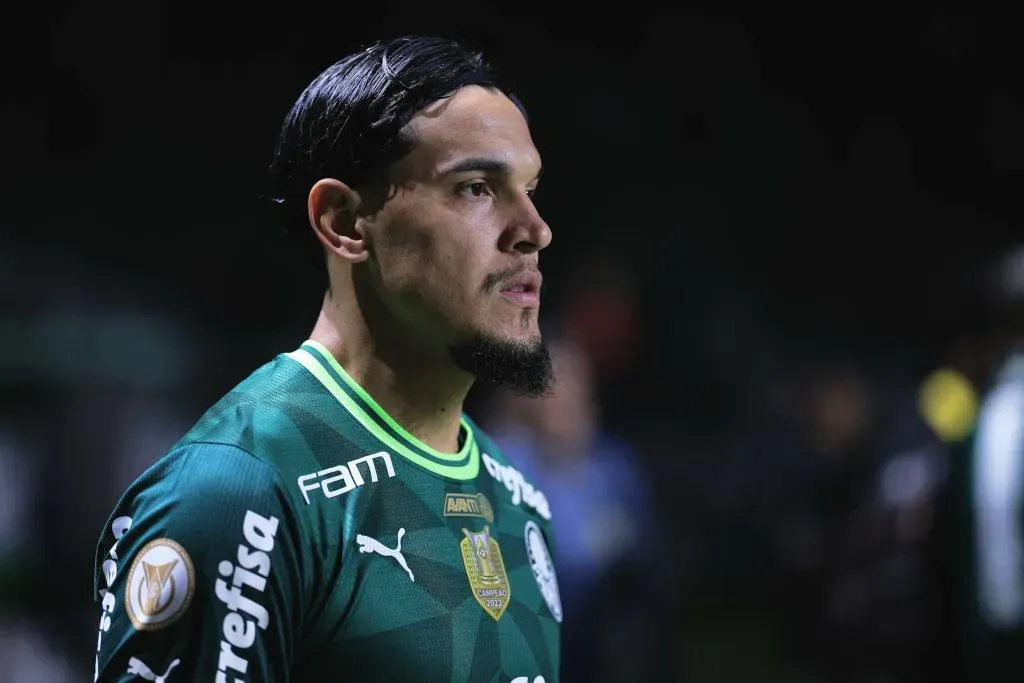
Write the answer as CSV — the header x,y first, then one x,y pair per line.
x,y
600,508
984,510
855,538
602,314
991,534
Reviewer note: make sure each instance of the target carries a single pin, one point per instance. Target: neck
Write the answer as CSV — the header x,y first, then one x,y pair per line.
x,y
422,391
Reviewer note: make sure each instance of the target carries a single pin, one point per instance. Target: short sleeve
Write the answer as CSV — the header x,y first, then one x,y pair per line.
x,y
198,572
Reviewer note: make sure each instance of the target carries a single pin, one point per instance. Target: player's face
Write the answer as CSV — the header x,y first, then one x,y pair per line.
x,y
457,245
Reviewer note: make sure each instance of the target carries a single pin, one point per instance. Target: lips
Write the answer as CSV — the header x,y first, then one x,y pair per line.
x,y
523,289
524,282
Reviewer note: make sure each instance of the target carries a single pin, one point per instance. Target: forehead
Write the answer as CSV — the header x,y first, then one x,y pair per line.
x,y
474,122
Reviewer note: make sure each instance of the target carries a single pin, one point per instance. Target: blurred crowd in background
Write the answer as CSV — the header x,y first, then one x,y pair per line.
x,y
785,286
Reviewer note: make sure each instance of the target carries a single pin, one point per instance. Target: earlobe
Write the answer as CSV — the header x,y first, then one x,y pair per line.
x,y
333,213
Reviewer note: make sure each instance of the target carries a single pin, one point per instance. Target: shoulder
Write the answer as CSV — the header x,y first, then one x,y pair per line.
x,y
196,498
206,532
278,415
267,403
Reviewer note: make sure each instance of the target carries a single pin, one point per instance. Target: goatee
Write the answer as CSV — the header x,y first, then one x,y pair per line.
x,y
522,367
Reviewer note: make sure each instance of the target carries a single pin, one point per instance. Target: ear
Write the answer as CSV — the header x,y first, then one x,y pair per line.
x,y
333,211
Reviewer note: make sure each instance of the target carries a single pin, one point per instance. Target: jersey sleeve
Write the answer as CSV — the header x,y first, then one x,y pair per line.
x,y
198,572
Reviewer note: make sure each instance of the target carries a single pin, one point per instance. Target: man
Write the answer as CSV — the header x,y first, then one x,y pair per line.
x,y
335,517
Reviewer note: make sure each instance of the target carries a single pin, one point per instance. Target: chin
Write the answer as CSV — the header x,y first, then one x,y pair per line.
x,y
528,338
521,330
519,362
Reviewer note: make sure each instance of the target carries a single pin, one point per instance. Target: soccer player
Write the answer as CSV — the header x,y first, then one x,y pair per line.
x,y
336,517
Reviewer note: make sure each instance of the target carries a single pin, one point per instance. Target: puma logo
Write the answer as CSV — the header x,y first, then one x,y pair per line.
x,y
139,668
372,545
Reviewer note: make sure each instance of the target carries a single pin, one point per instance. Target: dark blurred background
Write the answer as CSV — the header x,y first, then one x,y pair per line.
x,y
782,280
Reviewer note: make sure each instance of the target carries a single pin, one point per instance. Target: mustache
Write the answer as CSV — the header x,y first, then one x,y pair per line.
x,y
492,281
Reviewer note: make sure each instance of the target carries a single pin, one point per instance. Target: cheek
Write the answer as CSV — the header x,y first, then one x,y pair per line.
x,y
430,265
404,248
452,275
434,254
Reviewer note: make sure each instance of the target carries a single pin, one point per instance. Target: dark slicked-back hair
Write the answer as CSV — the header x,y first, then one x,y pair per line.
x,y
348,123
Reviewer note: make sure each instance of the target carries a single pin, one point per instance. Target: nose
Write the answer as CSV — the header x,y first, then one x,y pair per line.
x,y
527,232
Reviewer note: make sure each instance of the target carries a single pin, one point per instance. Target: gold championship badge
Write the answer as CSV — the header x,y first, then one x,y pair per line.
x,y
486,571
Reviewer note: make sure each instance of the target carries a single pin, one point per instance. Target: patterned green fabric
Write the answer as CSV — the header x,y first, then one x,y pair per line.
x,y
297,533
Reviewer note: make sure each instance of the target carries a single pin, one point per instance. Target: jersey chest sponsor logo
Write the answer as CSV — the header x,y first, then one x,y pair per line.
x,y
468,505
160,585
241,590
340,479
486,571
522,491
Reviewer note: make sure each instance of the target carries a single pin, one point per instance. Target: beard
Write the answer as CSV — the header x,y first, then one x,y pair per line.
x,y
523,367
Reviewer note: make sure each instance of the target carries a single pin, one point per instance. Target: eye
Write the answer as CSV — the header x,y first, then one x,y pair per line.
x,y
477,188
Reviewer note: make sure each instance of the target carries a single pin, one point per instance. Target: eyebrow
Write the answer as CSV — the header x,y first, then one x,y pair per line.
x,y
481,165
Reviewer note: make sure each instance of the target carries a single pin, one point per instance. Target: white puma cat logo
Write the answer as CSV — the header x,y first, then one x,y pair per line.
x,y
139,668
372,545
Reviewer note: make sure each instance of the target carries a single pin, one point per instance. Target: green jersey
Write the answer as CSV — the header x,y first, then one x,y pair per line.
x,y
298,533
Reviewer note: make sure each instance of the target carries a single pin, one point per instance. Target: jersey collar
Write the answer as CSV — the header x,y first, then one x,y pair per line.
x,y
360,405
